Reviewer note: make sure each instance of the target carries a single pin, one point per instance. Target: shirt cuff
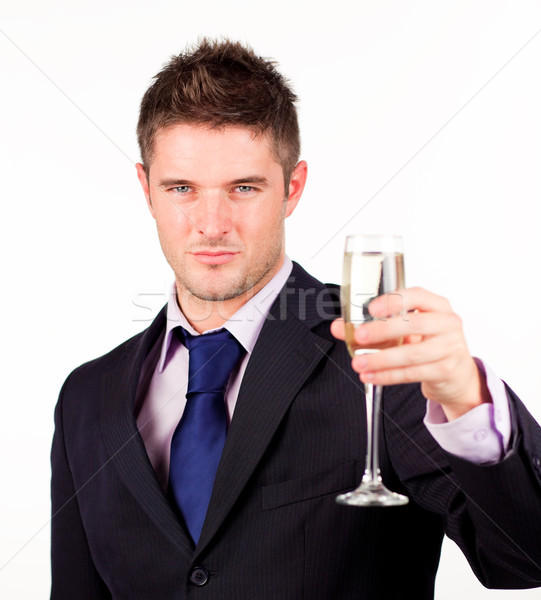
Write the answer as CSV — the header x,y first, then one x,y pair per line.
x,y
482,435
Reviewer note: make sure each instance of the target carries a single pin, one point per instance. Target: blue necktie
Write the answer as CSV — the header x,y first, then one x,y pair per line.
x,y
199,438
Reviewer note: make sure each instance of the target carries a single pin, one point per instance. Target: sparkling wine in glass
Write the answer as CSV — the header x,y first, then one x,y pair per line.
x,y
373,265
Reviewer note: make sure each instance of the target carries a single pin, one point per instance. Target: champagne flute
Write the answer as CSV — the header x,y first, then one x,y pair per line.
x,y
373,265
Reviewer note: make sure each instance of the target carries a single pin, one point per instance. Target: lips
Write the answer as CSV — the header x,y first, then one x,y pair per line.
x,y
214,257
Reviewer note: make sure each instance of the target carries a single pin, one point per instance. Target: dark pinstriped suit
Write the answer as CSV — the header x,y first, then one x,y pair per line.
x,y
273,530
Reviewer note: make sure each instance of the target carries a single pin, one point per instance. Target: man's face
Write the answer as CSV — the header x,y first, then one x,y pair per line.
x,y
217,196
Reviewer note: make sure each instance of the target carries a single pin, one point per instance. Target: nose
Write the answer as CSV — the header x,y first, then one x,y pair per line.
x,y
213,217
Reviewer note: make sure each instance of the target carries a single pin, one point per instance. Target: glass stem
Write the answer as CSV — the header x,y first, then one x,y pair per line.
x,y
373,410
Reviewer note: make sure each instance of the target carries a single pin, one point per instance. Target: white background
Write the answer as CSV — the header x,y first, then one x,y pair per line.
x,y
418,117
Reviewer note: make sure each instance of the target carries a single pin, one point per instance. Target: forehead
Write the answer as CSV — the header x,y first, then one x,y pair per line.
x,y
213,156
193,140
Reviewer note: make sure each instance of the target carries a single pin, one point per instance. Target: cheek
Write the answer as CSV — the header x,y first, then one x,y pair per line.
x,y
260,223
173,235
258,234
171,219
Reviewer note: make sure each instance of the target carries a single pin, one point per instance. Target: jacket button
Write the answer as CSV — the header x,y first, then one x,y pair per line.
x,y
199,576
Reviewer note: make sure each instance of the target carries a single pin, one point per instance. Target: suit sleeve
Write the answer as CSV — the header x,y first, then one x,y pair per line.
x,y
492,512
504,502
73,572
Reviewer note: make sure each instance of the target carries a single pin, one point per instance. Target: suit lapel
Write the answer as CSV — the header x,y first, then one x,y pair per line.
x,y
286,353
124,443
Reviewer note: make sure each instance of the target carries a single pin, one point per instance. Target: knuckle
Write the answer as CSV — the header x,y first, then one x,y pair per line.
x,y
415,322
447,369
456,321
410,374
390,378
415,354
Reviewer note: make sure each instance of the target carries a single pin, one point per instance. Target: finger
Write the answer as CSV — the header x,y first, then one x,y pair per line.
x,y
428,352
407,300
411,326
427,373
338,329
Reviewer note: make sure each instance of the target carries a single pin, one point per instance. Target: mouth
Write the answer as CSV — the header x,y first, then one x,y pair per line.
x,y
214,257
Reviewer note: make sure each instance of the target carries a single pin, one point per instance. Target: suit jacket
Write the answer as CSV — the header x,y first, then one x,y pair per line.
x,y
273,529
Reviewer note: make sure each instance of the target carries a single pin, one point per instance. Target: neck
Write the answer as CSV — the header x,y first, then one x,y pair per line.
x,y
204,315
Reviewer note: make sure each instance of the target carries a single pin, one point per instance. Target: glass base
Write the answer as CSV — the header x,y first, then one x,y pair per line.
x,y
372,494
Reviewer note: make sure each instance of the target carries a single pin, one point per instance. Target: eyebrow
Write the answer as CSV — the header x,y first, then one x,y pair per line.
x,y
165,183
263,181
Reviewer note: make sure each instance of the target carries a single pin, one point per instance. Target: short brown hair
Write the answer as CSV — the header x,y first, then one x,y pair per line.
x,y
221,83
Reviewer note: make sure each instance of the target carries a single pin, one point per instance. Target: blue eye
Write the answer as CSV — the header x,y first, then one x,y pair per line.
x,y
245,188
181,189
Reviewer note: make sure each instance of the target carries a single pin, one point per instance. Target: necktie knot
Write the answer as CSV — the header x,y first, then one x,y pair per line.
x,y
213,356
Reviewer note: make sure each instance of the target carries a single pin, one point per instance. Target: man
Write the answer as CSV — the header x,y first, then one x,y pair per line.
x,y
137,511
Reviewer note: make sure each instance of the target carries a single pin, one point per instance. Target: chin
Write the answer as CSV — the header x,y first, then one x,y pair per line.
x,y
217,293
220,283
226,294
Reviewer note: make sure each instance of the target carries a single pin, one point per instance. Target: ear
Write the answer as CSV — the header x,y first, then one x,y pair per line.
x,y
143,180
296,186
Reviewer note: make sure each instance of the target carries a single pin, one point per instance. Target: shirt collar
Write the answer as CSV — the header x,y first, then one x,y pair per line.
x,y
245,324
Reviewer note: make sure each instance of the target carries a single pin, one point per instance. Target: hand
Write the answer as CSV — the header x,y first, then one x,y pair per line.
x,y
433,349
